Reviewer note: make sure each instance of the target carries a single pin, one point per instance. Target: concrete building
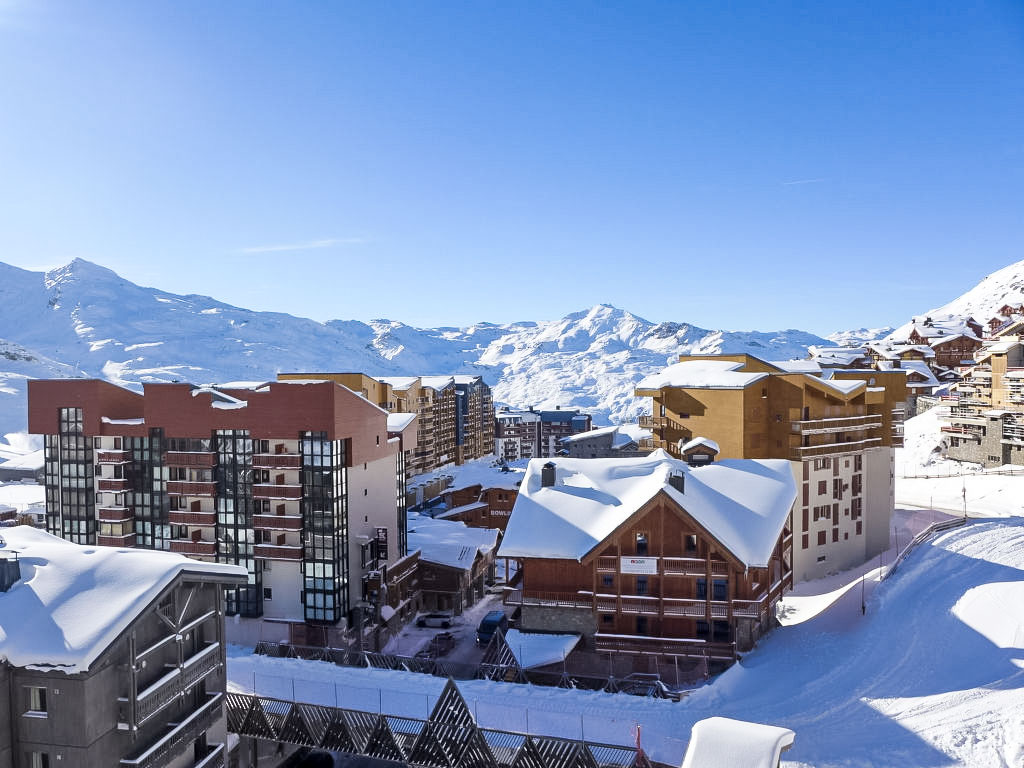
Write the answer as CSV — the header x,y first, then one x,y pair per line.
x,y
110,657
649,556
531,434
296,481
837,429
622,441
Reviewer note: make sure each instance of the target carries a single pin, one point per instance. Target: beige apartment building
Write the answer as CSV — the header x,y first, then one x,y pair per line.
x,y
454,414
837,428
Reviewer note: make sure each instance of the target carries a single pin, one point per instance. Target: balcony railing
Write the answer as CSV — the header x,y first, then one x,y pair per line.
x,y
277,552
171,686
215,759
687,566
836,424
190,458
180,517
278,522
834,449
277,461
113,457
191,488
113,514
179,737
189,547
127,540
640,644
111,484
270,491
645,422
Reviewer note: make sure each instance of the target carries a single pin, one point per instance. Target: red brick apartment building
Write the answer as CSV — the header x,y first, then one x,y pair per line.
x,y
297,481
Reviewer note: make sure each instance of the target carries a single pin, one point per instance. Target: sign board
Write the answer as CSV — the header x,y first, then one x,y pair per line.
x,y
639,565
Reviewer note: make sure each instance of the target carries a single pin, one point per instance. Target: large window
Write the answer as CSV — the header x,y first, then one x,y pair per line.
x,y
235,534
36,700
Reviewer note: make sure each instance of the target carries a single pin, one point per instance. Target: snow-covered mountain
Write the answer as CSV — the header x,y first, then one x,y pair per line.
x,y
982,302
858,337
84,320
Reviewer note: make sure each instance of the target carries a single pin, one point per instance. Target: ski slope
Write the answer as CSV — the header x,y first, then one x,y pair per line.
x,y
931,675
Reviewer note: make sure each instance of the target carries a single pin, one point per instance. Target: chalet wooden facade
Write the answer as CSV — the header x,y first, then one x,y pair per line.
x,y
480,507
657,579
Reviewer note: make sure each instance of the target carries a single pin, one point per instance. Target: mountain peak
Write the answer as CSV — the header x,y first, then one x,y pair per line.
x,y
78,269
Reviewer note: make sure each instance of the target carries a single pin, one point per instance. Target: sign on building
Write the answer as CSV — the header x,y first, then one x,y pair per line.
x,y
638,565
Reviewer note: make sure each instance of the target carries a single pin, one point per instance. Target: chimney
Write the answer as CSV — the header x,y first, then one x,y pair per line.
x,y
547,475
678,481
10,571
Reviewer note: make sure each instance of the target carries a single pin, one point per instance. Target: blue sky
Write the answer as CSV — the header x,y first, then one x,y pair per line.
x,y
739,165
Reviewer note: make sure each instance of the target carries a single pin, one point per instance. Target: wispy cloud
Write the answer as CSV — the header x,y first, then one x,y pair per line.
x,y
307,245
795,182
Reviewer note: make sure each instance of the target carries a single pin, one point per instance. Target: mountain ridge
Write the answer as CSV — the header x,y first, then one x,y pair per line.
x,y
85,319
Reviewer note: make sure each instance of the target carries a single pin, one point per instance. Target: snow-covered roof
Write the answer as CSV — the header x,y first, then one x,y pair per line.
x,y
702,374
467,379
30,461
436,382
743,503
22,496
485,473
842,356
399,383
913,366
397,422
123,422
797,366
73,601
449,542
699,441
995,348
844,386
621,434
456,511
889,351
721,742
538,649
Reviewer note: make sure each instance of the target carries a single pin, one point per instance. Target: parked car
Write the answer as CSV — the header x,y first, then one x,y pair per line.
x,y
490,624
442,620
440,645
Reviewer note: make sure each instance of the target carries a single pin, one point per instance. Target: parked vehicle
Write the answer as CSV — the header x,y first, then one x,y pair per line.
x,y
440,645
490,624
442,620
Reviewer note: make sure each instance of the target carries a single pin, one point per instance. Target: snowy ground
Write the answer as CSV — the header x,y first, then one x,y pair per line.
x,y
932,675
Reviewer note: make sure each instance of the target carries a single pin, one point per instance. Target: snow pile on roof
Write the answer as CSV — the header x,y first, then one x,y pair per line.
x,y
621,435
22,496
913,366
797,366
449,542
743,503
399,383
721,742
436,382
702,374
485,473
30,461
73,601
397,422
699,441
537,649
890,351
844,386
841,356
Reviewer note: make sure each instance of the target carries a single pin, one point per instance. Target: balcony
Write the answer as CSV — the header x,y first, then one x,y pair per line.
x,y
206,489
189,547
127,540
111,484
179,517
645,422
838,424
113,457
271,491
278,522
685,566
190,459
180,736
277,461
215,758
176,682
684,607
114,514
555,599
278,552
643,644
834,449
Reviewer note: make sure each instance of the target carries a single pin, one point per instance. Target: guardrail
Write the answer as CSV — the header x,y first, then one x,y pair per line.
x,y
932,529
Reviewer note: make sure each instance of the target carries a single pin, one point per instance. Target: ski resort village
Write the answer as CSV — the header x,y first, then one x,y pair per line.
x,y
804,559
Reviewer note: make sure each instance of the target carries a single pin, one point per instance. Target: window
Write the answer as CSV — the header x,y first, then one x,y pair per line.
x,y
641,625
720,590
641,543
607,618
641,585
822,487
36,700
691,542
607,580
268,593
821,538
702,589
38,760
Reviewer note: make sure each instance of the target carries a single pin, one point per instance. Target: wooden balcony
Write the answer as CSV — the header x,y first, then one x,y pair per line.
x,y
113,457
206,489
190,459
189,547
113,514
110,484
278,522
687,566
555,599
837,424
277,552
181,517
271,491
645,422
667,646
128,540
834,449
277,461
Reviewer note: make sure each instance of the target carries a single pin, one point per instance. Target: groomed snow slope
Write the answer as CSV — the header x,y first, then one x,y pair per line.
x,y
914,682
